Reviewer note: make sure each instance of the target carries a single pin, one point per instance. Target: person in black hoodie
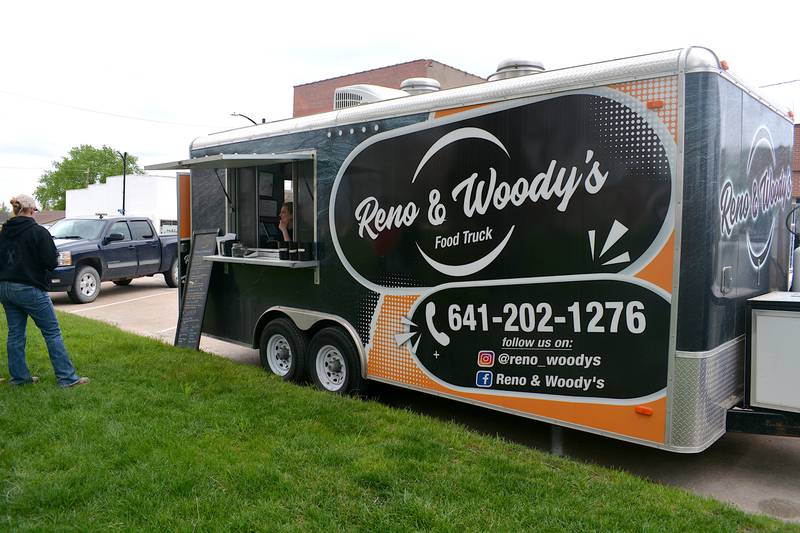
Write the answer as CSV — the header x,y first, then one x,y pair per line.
x,y
27,253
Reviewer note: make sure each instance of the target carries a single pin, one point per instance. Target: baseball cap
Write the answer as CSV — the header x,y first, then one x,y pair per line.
x,y
25,201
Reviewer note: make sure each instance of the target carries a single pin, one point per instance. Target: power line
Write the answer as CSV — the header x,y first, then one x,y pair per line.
x,y
117,115
779,83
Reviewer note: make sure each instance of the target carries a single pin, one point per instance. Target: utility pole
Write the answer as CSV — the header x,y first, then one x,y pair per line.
x,y
124,157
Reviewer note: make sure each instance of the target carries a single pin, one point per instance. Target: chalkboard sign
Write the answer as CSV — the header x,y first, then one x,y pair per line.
x,y
193,303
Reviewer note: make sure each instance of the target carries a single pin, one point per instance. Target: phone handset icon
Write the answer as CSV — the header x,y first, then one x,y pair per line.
x,y
441,338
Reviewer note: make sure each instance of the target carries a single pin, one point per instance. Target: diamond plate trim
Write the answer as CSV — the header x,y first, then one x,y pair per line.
x,y
705,386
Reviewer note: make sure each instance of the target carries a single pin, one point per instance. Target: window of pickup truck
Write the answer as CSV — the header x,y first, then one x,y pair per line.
x,y
121,227
141,230
77,229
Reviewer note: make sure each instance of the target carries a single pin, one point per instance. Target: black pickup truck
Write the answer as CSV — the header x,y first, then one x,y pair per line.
x,y
118,249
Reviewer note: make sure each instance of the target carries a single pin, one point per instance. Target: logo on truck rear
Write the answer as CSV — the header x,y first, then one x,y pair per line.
x,y
767,190
574,184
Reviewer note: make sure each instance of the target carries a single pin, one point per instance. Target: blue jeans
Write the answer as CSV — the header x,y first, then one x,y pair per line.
x,y
20,301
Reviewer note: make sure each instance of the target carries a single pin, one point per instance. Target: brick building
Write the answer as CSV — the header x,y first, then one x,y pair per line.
x,y
48,217
41,217
317,97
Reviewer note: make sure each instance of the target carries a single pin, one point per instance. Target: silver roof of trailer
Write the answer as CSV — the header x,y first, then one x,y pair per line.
x,y
693,59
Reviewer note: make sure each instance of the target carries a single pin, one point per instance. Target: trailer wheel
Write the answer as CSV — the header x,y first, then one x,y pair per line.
x,y
333,363
283,349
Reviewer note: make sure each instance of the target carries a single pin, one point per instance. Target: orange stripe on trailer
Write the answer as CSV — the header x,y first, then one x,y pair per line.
x,y
453,111
618,419
664,90
625,420
185,205
659,270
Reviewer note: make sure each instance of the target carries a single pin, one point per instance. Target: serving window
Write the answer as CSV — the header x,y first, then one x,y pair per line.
x,y
259,193
256,187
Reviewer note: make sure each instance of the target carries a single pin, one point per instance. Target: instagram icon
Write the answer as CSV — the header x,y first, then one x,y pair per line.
x,y
486,358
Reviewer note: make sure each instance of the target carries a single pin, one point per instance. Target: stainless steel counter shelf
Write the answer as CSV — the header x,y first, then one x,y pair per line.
x,y
285,263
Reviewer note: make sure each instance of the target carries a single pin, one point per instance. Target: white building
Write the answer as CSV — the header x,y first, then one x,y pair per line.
x,y
149,196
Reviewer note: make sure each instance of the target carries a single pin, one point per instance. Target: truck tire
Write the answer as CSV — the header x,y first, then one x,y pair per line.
x,y
122,282
172,276
283,350
86,285
333,362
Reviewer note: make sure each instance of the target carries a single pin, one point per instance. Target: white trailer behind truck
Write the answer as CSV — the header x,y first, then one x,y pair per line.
x,y
577,246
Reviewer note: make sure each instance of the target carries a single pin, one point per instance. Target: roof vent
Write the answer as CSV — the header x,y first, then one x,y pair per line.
x,y
420,86
355,95
515,67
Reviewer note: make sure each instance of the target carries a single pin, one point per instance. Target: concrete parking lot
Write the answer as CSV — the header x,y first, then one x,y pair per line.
x,y
759,474
147,307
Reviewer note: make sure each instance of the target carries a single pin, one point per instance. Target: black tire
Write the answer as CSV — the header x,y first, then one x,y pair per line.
x,y
86,285
122,282
333,362
283,350
172,276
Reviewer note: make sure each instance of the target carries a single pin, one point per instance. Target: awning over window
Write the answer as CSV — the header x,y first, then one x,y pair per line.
x,y
232,161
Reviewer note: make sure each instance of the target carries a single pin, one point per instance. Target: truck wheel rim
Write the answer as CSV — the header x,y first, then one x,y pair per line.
x,y
88,284
279,355
331,368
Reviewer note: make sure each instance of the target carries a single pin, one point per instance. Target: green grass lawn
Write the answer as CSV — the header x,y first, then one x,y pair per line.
x,y
166,439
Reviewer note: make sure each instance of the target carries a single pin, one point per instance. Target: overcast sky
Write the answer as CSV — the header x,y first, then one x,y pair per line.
x,y
148,77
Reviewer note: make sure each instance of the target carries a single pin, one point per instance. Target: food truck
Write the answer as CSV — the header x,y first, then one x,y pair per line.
x,y
577,246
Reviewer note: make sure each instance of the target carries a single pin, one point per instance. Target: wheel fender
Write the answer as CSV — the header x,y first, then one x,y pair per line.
x,y
97,263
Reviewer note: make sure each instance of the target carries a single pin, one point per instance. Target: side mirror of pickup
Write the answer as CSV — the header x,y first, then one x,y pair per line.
x,y
114,237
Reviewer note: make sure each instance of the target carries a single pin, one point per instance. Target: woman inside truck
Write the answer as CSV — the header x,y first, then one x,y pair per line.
x,y
286,221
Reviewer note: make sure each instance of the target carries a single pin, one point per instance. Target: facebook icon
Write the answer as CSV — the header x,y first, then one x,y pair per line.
x,y
484,379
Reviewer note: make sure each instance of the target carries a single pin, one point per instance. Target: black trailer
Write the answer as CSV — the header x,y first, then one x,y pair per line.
x,y
576,246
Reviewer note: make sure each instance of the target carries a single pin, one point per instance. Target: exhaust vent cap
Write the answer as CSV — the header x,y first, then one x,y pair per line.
x,y
420,86
515,67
